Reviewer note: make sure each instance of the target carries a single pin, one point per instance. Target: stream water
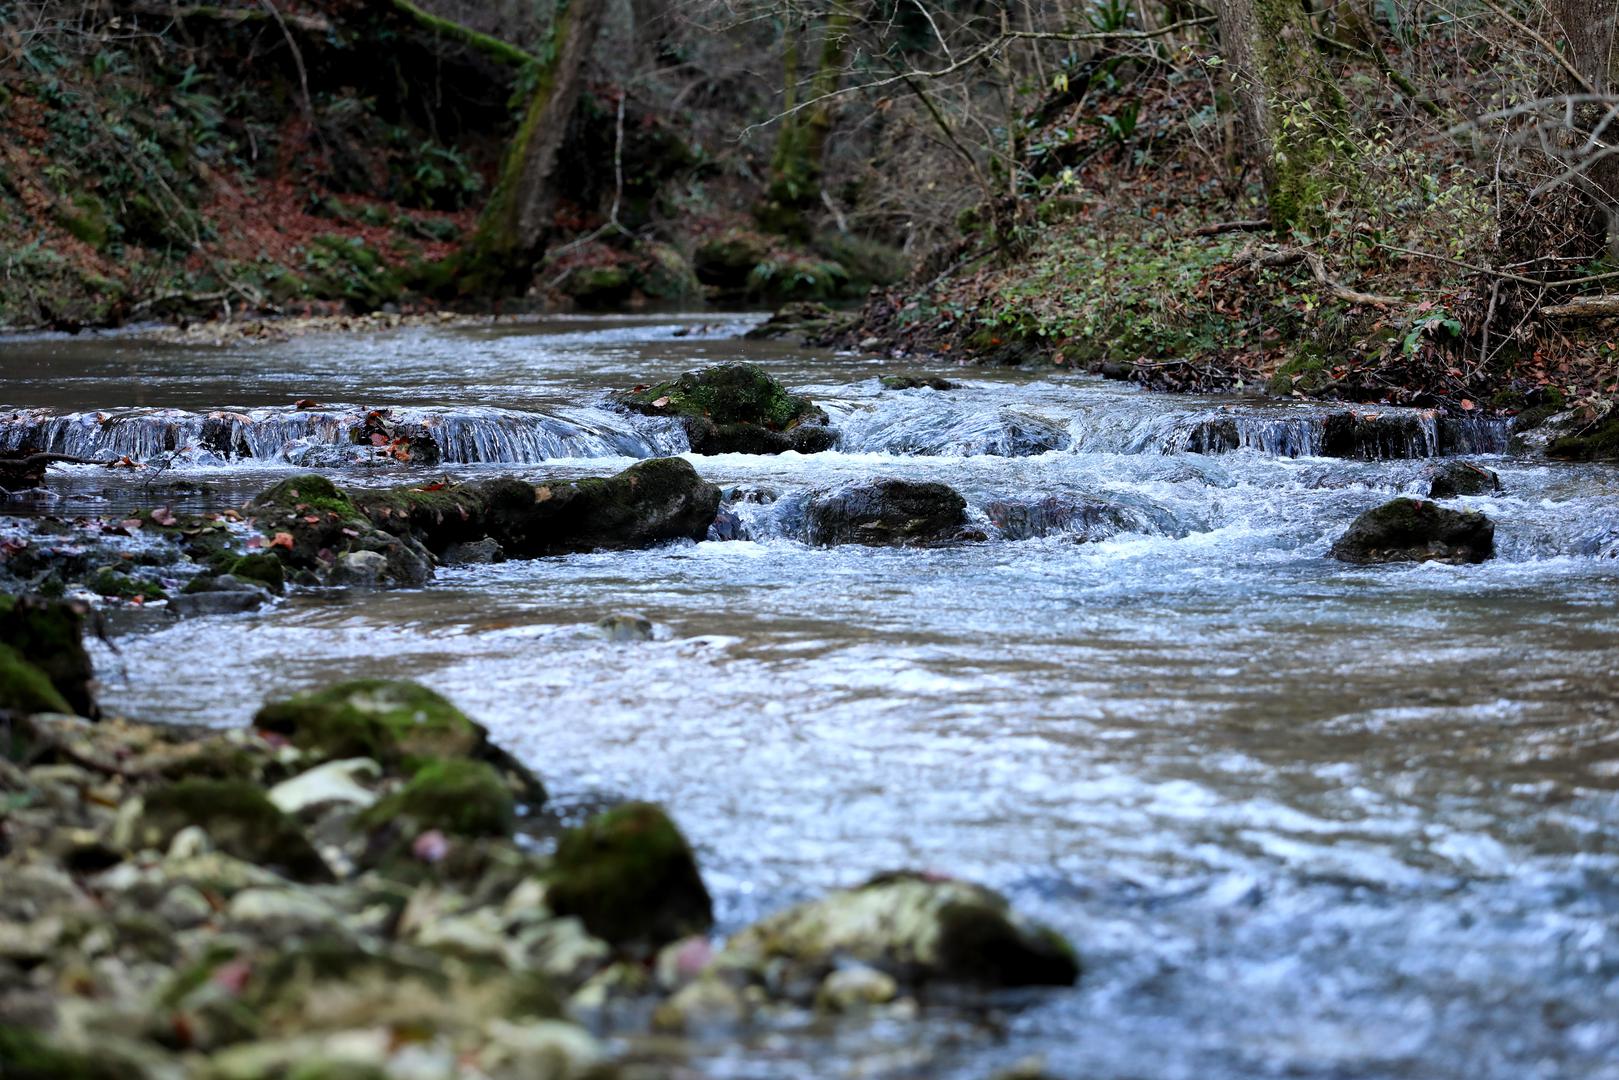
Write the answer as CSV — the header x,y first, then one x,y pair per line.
x,y
1300,818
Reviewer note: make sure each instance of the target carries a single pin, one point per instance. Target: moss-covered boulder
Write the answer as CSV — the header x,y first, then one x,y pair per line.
x,y
916,928
237,816
311,524
261,569
387,720
456,796
1411,530
735,409
651,502
48,635
1594,442
26,689
29,1055
1455,478
630,876
727,261
804,321
887,512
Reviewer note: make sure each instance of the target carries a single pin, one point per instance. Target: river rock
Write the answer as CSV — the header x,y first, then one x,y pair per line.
x,y
630,876
915,928
455,796
804,321
45,637
649,503
334,783
224,594
1055,515
916,382
887,512
1455,478
736,409
625,627
311,524
1410,530
474,553
1595,441
238,818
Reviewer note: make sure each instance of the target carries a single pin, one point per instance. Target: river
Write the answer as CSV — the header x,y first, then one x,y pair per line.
x,y
1300,818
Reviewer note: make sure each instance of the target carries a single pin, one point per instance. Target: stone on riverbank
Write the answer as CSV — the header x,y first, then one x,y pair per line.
x,y
1593,442
630,876
914,928
237,816
1410,530
887,513
458,796
736,409
48,636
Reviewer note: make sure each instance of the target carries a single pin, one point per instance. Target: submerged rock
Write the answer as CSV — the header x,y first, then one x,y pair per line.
x,y
625,627
916,382
736,409
1055,515
1455,478
630,876
1410,530
914,928
887,512
47,636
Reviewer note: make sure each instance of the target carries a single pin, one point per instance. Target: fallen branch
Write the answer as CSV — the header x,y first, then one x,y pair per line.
x,y
1318,270
489,45
1586,307
1252,225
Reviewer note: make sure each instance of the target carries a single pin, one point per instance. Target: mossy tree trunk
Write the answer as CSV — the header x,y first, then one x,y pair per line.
x,y
795,167
516,221
1292,112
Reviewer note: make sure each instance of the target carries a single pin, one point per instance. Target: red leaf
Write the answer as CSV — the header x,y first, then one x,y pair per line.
x,y
163,516
306,403
283,540
439,486
1467,406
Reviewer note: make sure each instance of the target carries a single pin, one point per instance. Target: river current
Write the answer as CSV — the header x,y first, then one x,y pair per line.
x,y
1300,818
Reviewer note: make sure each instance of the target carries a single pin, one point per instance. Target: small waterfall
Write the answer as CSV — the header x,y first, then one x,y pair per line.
x,y
1364,434
341,435
930,425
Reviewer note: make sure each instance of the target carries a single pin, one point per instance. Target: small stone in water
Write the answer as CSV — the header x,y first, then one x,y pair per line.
x,y
626,627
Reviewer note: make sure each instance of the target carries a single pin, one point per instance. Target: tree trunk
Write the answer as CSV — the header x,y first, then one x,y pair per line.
x,y
1588,30
1291,110
516,222
795,168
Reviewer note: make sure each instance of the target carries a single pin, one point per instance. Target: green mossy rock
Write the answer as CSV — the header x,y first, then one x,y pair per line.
x,y
1599,442
1411,530
735,409
727,261
312,524
385,719
25,689
887,513
465,798
914,927
264,569
238,817
27,1055
49,635
630,876
111,583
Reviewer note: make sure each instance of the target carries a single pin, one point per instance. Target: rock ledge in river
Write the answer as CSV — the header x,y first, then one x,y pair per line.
x,y
1410,530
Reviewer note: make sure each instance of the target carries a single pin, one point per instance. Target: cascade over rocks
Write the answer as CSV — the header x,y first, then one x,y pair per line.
x,y
736,409
887,513
1410,530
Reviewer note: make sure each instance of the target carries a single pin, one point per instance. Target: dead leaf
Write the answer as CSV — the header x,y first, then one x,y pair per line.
x,y
661,402
1467,405
283,540
306,403
164,516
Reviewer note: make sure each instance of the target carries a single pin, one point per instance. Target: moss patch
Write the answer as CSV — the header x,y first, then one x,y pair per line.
x,y
1600,443
467,798
631,877
26,689
240,820
385,719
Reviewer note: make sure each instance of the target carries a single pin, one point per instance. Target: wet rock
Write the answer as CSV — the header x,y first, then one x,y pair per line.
x,y
396,440
805,321
224,594
916,382
727,527
1455,478
365,569
1598,441
855,987
1055,515
630,876
887,512
736,409
25,689
49,636
1377,436
707,1004
260,569
455,796
474,553
624,627
651,502
916,929
237,817
116,585
1410,530
312,524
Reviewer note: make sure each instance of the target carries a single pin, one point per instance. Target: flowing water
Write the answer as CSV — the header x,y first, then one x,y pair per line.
x,y
1301,819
